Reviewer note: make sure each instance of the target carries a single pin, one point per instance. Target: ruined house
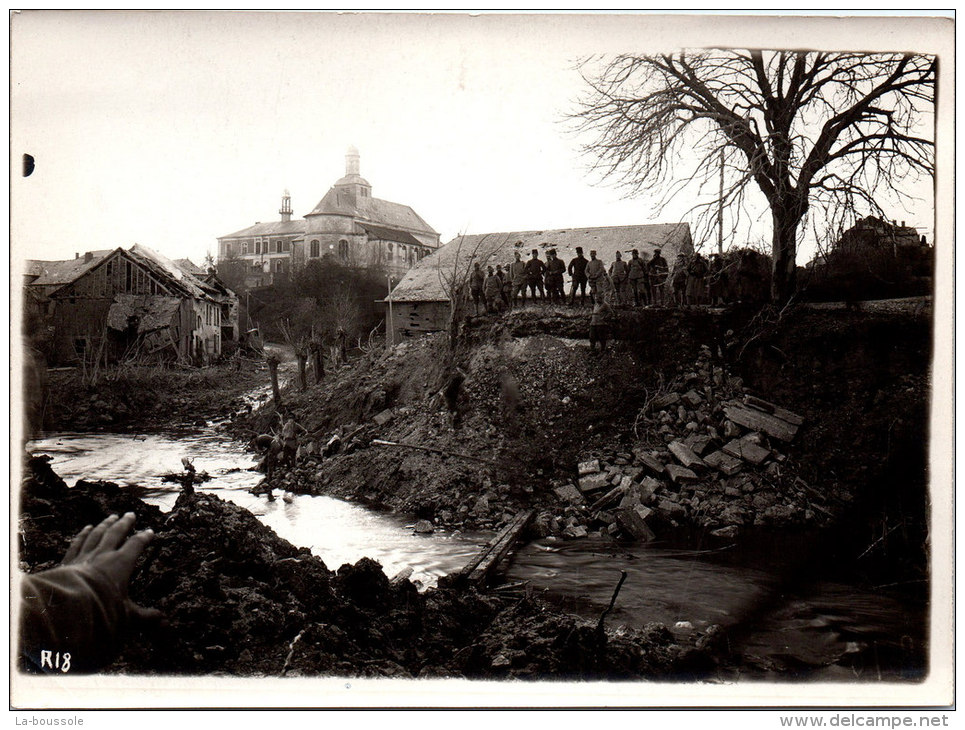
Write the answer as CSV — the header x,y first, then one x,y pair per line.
x,y
420,302
121,303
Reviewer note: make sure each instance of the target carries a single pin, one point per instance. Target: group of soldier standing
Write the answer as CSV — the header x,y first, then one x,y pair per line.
x,y
644,282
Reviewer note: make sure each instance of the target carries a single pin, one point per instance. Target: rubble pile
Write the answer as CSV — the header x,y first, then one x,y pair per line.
x,y
709,454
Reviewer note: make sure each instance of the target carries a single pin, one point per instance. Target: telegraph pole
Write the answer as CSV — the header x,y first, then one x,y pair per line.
x,y
720,207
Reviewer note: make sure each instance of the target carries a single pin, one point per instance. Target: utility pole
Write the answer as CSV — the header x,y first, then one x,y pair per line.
x,y
720,207
390,329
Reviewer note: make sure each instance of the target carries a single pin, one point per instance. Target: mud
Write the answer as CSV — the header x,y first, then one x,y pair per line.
x,y
238,600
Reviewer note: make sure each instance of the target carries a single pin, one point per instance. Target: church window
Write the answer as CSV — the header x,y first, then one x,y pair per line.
x,y
343,249
314,251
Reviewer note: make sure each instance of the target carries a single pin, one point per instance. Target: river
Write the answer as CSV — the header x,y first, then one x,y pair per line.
x,y
826,629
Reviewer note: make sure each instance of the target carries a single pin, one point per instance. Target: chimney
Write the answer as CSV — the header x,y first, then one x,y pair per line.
x,y
88,257
76,255
902,224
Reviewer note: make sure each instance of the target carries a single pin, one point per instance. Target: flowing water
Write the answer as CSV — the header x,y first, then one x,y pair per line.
x,y
687,586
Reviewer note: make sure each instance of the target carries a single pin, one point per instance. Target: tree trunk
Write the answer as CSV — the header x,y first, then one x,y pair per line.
x,y
302,362
318,360
273,369
784,253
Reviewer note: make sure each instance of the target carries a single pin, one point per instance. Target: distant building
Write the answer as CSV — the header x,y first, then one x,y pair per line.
x,y
873,232
348,223
121,301
420,302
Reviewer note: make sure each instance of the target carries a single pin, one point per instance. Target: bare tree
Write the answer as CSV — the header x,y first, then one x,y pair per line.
x,y
454,279
829,130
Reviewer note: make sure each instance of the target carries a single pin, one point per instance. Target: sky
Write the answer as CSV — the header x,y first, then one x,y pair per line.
x,y
171,129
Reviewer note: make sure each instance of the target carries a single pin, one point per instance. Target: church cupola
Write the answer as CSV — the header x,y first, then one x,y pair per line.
x,y
286,207
353,186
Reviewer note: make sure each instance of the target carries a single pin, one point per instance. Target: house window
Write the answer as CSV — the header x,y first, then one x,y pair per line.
x,y
244,248
314,253
278,266
278,246
286,246
389,246
343,249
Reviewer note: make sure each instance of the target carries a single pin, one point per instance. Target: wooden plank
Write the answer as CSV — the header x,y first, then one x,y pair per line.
x,y
510,535
760,421
775,410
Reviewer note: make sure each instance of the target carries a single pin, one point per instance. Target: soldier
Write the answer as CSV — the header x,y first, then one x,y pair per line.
x,y
637,278
506,291
595,275
555,268
577,272
696,279
534,275
678,280
476,280
618,277
716,280
658,270
517,273
600,325
493,291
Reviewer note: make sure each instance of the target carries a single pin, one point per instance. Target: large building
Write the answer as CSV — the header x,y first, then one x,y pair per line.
x,y
348,223
420,302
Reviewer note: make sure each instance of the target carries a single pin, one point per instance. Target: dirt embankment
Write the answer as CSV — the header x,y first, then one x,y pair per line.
x,y
534,403
238,600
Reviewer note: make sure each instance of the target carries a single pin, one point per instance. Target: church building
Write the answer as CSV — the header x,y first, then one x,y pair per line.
x,y
348,223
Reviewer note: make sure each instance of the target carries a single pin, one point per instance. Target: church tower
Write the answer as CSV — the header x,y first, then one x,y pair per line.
x,y
286,207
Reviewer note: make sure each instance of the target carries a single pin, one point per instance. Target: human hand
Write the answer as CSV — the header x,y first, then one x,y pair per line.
x,y
106,556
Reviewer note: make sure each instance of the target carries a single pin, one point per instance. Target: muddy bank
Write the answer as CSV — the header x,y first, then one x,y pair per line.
x,y
238,600
149,397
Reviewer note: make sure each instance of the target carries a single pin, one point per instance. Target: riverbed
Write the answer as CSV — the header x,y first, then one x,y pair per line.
x,y
824,629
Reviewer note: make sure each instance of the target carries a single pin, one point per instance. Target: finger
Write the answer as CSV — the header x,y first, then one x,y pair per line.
x,y
141,614
76,543
129,552
115,534
95,535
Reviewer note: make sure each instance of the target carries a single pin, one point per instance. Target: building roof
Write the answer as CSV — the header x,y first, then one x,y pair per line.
x,y
58,273
153,312
375,210
424,281
189,266
384,233
271,228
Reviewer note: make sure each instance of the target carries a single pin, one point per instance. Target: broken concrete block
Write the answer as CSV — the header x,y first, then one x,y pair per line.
x,y
664,401
633,472
731,430
648,460
592,466
593,482
633,520
680,474
760,421
569,493
647,488
691,398
746,450
729,532
574,532
782,413
383,417
609,498
685,456
671,510
724,463
700,443
625,481
424,527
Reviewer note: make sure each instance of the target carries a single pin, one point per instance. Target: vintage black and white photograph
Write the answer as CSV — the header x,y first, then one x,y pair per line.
x,y
406,359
